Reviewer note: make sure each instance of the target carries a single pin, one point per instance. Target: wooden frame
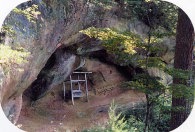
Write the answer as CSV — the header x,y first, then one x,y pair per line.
x,y
77,92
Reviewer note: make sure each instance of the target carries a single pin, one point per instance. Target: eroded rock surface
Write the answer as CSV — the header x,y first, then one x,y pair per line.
x,y
58,24
57,69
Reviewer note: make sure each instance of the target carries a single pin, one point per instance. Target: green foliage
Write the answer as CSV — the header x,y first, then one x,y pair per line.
x,y
159,118
116,123
146,84
8,30
135,117
120,44
115,41
95,129
155,14
183,91
132,120
178,73
134,124
10,57
152,62
128,48
30,13
160,113
161,32
125,47
107,4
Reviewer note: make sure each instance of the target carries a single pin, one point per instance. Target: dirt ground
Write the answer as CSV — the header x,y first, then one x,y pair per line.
x,y
53,114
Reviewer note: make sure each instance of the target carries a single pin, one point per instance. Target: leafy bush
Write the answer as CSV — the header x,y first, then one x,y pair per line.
x,y
121,45
116,123
10,57
132,120
159,119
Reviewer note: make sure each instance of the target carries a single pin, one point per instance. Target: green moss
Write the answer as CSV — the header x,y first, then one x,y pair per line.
x,y
106,4
30,13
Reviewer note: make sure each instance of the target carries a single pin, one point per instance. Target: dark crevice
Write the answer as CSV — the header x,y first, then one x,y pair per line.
x,y
40,84
47,75
51,62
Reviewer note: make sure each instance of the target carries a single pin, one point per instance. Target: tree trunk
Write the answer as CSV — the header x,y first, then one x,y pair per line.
x,y
147,114
182,60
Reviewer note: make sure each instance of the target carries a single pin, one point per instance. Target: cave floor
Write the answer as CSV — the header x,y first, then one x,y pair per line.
x,y
53,114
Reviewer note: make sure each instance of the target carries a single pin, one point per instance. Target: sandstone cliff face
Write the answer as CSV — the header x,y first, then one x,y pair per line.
x,y
57,27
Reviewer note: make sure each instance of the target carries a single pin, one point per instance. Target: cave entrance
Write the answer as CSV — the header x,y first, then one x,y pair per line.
x,y
76,79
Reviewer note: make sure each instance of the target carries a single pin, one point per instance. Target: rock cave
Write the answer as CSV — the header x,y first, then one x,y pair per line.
x,y
48,36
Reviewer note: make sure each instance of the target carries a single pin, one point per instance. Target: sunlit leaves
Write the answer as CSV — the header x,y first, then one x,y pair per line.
x,y
114,41
30,13
152,62
7,30
9,56
121,44
125,46
116,123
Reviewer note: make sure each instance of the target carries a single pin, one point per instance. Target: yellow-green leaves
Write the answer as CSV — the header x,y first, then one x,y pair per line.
x,y
122,45
7,30
30,13
114,41
152,62
116,123
9,56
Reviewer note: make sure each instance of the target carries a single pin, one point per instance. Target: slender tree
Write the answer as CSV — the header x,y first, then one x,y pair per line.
x,y
183,60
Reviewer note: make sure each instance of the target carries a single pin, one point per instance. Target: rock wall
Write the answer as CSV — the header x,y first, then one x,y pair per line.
x,y
105,78
58,19
59,66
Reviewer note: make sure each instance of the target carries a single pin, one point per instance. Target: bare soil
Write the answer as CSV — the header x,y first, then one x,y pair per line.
x,y
53,114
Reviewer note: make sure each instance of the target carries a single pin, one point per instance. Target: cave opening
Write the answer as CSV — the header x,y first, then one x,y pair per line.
x,y
49,74
44,98
60,65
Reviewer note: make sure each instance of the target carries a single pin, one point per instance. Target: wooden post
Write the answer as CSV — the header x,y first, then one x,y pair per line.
x,y
86,87
64,90
79,83
77,92
71,90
